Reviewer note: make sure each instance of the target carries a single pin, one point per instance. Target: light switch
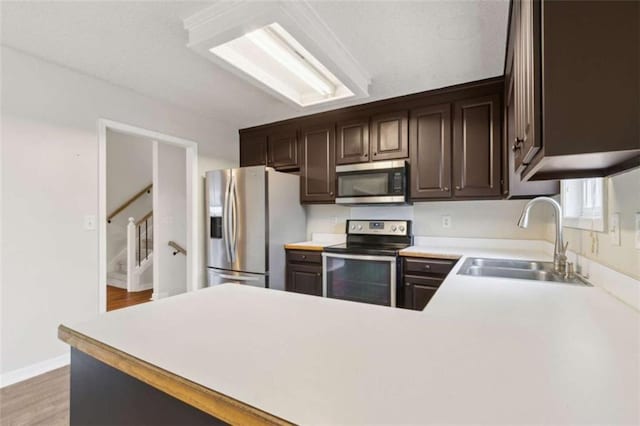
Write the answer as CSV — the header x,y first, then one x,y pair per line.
x,y
614,229
90,222
638,230
446,221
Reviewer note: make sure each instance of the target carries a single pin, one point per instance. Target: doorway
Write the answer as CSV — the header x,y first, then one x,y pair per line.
x,y
147,215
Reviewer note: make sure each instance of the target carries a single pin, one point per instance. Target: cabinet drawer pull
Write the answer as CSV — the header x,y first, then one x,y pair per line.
x,y
458,187
304,256
427,266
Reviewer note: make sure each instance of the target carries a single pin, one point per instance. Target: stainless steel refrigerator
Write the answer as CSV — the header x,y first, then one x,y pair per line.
x,y
252,213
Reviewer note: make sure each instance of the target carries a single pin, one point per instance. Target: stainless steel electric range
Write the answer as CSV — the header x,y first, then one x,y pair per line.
x,y
366,268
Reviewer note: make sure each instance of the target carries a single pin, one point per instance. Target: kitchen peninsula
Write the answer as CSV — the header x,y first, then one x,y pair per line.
x,y
485,350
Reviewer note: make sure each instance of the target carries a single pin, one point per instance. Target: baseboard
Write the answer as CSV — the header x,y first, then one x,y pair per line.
x,y
33,370
143,287
158,296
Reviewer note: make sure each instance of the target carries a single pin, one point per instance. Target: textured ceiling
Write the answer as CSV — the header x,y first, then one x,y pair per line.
x,y
405,46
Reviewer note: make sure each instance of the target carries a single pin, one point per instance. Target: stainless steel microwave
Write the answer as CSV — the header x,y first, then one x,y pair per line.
x,y
380,182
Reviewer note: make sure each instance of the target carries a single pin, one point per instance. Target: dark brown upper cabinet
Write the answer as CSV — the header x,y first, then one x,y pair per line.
x,y
576,71
389,136
512,185
352,141
318,168
253,149
476,147
282,149
430,142
526,73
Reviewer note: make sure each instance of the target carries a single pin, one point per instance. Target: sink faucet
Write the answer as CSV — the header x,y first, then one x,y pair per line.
x,y
560,251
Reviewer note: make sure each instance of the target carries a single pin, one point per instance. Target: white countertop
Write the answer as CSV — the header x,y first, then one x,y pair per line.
x,y
485,350
318,241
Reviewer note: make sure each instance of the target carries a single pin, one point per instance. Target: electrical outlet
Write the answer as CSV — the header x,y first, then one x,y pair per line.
x,y
446,221
90,222
614,229
638,230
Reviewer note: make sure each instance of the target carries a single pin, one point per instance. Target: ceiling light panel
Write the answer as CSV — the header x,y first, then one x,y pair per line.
x,y
273,57
282,47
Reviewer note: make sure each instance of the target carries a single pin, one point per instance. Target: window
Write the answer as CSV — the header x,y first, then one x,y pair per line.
x,y
583,203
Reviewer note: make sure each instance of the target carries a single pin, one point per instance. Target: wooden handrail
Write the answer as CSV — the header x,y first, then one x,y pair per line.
x,y
129,202
145,217
177,248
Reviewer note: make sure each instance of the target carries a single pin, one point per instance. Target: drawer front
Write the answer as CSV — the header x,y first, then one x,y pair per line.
x,y
423,281
428,266
301,256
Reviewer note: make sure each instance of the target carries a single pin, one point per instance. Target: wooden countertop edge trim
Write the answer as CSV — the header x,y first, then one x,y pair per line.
x,y
430,255
303,247
211,402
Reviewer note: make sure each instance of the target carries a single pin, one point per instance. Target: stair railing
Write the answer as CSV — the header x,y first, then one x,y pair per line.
x,y
139,234
177,248
146,190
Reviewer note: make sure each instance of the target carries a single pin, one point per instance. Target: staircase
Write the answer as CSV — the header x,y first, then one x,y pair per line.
x,y
131,268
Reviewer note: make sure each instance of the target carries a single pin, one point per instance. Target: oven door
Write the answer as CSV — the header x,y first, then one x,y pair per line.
x,y
359,278
371,183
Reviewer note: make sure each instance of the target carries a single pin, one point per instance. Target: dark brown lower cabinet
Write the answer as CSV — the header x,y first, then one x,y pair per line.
x,y
421,279
419,290
304,272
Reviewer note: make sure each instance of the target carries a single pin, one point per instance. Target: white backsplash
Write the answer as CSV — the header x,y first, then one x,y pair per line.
x,y
470,219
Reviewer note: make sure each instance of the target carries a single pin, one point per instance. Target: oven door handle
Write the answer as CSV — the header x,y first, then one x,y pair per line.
x,y
360,257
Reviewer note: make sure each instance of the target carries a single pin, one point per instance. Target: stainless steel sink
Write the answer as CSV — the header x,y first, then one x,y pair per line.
x,y
517,269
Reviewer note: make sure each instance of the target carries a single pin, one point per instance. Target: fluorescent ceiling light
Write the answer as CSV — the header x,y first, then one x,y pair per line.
x,y
278,61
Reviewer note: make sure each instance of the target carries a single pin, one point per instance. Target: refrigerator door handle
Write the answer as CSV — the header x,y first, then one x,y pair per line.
x,y
234,220
225,222
238,277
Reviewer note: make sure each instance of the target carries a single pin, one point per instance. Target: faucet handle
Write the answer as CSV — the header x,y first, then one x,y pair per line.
x,y
570,272
564,248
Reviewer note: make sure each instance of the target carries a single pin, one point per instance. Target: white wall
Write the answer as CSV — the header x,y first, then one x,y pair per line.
x,y
170,219
129,169
479,219
623,197
50,181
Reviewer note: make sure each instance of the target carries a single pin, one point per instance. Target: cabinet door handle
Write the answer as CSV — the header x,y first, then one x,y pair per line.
x,y
331,193
366,155
445,189
318,274
458,187
517,145
304,256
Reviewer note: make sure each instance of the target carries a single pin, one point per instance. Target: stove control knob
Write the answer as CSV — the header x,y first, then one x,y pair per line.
x,y
393,228
401,228
353,227
359,227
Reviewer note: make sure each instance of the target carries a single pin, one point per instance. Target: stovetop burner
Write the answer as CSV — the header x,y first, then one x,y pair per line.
x,y
375,237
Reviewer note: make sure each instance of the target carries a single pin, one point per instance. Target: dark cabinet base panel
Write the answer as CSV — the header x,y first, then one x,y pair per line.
x,y
103,395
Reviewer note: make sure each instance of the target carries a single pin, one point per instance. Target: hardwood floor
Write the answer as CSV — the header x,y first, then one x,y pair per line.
x,y
42,400
118,298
